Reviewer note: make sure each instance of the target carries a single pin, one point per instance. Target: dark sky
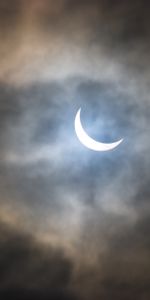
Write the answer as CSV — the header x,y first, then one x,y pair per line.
x,y
74,223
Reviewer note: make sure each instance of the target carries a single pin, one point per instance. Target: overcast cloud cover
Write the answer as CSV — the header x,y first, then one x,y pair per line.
x,y
74,223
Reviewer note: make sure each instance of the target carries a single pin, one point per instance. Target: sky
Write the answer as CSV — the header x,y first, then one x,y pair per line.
x,y
74,223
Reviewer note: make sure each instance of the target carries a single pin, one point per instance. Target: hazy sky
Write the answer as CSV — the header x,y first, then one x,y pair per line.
x,y
74,223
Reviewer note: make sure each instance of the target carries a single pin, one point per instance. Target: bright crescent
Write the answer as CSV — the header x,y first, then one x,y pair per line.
x,y
88,141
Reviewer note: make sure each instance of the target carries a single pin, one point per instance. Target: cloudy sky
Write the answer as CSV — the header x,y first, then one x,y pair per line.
x,y
74,223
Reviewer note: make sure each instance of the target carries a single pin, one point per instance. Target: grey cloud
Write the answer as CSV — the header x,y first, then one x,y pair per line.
x,y
30,270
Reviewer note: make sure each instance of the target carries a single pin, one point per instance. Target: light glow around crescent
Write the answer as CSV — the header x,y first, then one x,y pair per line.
x,y
87,141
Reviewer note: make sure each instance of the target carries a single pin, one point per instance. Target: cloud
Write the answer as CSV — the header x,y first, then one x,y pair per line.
x,y
74,223
97,39
30,269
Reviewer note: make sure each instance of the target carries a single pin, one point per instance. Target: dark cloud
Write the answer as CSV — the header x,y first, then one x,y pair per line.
x,y
10,14
29,269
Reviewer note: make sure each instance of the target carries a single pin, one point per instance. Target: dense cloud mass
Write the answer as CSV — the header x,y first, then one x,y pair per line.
x,y
74,223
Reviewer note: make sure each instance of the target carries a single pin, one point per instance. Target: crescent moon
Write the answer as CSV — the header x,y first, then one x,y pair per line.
x,y
87,141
